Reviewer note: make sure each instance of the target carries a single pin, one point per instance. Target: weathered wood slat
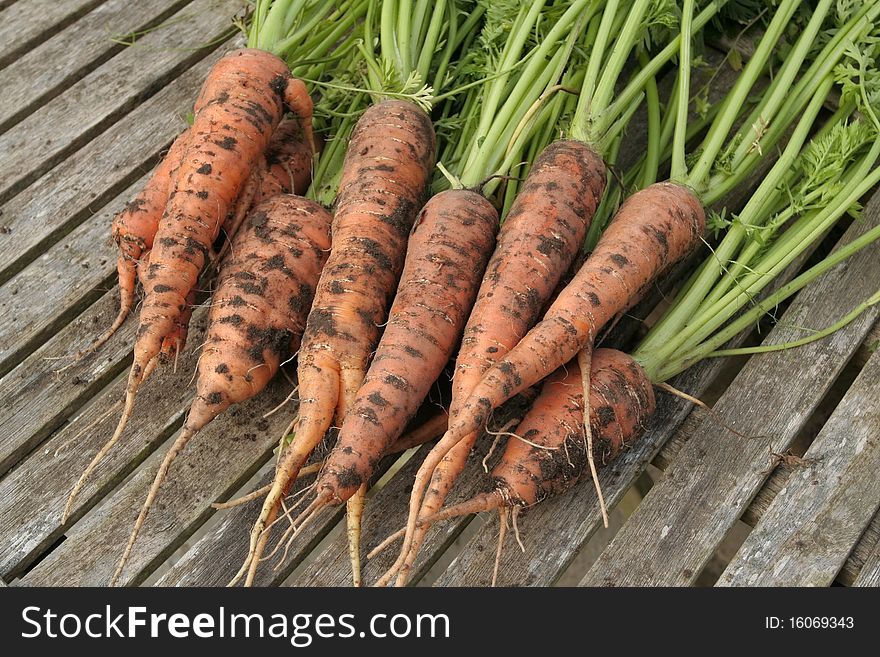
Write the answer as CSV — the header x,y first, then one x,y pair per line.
x,y
71,192
36,490
69,121
673,533
29,81
217,462
215,558
861,554
54,204
77,271
870,573
27,22
816,519
221,458
34,401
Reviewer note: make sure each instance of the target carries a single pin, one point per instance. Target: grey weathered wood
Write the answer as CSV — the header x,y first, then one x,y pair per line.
x,y
215,558
66,279
37,217
675,530
36,490
69,121
35,401
215,463
80,185
41,73
26,22
816,519
870,573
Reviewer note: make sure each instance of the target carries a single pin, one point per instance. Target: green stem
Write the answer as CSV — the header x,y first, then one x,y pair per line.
x,y
736,98
651,164
623,99
678,172
712,345
873,300
667,334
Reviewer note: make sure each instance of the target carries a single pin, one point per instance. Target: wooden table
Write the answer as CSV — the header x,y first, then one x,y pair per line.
x,y
84,118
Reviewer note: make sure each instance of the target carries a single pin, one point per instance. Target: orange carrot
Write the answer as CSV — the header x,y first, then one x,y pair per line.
x,y
445,260
547,455
133,230
540,238
257,316
285,168
386,170
239,107
653,229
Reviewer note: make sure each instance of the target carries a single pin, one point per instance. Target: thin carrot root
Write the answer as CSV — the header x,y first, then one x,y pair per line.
x,y
389,540
354,512
314,468
585,356
477,504
135,379
181,442
502,530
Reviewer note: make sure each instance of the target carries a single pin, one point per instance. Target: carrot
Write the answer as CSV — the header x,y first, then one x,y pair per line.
x,y
653,229
133,230
547,454
446,257
384,176
257,316
285,168
540,238
240,104
288,161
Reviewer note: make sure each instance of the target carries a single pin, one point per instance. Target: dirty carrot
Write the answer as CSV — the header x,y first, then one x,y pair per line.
x,y
384,176
240,105
546,455
446,256
256,318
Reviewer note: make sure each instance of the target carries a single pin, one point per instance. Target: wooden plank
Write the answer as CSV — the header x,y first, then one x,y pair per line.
x,y
27,22
215,558
816,519
219,460
28,82
44,212
71,192
71,120
861,554
675,530
79,269
35,401
870,573
36,490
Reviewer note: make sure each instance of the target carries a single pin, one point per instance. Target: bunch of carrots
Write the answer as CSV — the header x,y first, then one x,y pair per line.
x,y
466,207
